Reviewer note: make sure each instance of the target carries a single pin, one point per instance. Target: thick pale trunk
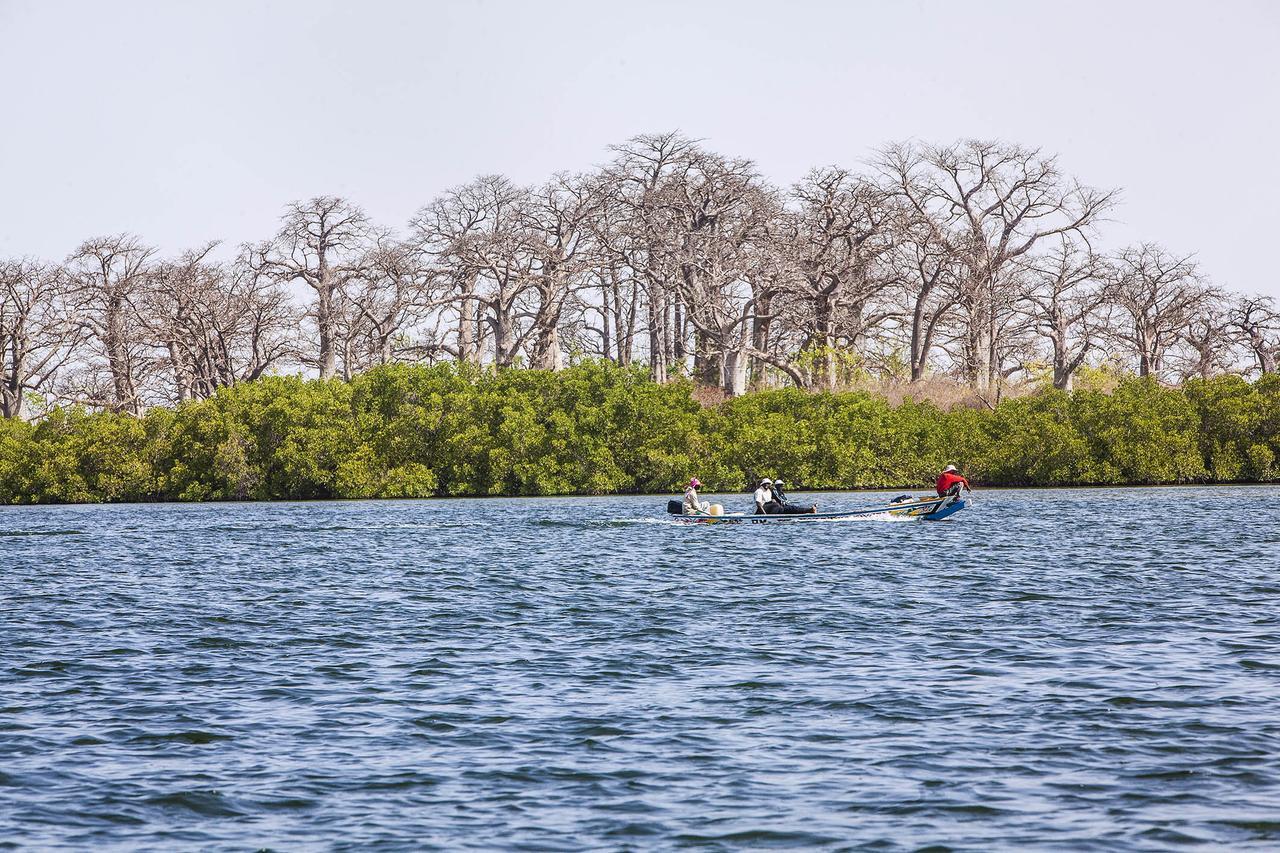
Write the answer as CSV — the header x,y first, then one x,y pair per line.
x,y
385,349
733,364
328,361
919,344
1063,373
824,370
657,353
547,350
625,332
11,404
980,370
921,331
11,394
182,374
11,387
995,377
671,344
760,343
467,330
1266,355
118,360
1063,368
606,318
1147,357
326,322
503,337
546,346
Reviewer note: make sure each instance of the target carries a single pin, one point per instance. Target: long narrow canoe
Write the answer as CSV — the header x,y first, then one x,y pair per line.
x,y
927,508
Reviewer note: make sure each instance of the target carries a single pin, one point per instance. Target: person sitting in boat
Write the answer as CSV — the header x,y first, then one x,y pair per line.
x,y
693,506
765,504
950,481
784,505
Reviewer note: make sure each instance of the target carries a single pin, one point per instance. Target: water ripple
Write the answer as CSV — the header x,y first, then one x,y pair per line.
x,y
1085,669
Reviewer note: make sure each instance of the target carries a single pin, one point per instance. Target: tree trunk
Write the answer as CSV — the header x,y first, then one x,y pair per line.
x,y
467,330
182,374
1063,372
657,354
626,333
760,343
919,346
1264,352
733,363
670,332
11,398
328,362
546,355
678,330
606,316
118,357
707,369
503,337
980,355
824,365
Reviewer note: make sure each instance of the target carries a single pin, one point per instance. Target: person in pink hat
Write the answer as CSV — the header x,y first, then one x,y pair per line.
x,y
693,506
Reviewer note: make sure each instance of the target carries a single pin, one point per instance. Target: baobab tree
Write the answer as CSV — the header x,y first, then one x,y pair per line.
x,y
1207,340
321,243
169,312
924,283
1257,321
988,204
397,287
1066,299
110,276
478,231
972,258
840,240
640,183
1157,293
557,222
216,325
39,329
719,211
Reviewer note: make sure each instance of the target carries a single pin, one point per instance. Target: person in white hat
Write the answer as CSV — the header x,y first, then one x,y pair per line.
x,y
951,479
764,498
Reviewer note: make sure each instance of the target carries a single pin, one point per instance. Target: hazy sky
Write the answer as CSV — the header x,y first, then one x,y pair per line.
x,y
188,121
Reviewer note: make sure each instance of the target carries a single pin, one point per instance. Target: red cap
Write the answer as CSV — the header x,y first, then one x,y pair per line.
x,y
695,482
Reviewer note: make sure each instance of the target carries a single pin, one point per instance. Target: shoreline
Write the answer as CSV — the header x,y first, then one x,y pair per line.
x,y
654,495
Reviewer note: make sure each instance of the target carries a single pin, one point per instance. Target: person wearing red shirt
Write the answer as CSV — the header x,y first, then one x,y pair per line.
x,y
950,479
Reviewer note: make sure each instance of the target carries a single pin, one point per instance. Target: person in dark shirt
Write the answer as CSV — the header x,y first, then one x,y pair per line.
x,y
784,506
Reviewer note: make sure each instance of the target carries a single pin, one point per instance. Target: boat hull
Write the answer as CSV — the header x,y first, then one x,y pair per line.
x,y
926,509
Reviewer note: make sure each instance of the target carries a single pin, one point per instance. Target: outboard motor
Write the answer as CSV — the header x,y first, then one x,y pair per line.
x,y
675,507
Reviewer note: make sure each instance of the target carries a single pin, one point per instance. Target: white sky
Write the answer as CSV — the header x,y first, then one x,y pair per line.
x,y
189,121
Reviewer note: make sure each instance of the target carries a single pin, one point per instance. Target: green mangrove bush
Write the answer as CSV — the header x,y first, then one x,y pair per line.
x,y
414,431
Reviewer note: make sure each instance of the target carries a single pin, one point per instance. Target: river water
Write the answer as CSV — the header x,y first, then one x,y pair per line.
x,y
1082,668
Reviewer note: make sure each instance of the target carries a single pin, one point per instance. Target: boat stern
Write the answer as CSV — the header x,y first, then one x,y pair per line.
x,y
946,510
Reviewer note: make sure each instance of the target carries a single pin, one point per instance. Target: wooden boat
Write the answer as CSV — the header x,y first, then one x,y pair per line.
x,y
925,507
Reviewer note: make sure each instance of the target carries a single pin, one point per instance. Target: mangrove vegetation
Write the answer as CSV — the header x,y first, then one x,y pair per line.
x,y
595,428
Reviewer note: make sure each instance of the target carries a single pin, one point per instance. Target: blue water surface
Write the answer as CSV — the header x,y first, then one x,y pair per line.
x,y
1079,669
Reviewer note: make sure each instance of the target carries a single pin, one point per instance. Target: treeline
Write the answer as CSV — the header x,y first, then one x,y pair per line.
x,y
974,259
416,431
